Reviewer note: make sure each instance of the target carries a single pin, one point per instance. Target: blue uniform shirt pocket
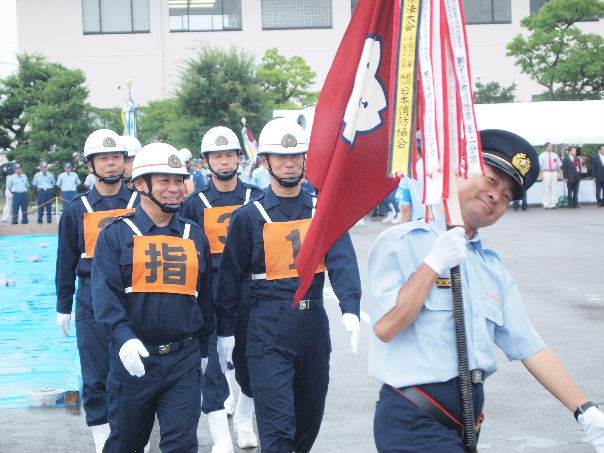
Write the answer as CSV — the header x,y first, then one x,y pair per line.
x,y
490,316
434,326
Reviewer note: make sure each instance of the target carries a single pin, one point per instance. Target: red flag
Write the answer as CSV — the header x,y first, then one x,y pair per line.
x,y
349,151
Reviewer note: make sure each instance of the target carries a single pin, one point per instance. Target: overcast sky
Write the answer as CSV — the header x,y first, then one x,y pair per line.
x,y
8,36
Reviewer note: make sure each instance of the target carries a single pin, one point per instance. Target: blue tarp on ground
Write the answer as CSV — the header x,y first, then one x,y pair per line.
x,y
33,353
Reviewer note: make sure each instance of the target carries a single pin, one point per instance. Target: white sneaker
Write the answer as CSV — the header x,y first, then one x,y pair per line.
x,y
219,429
389,217
100,434
243,422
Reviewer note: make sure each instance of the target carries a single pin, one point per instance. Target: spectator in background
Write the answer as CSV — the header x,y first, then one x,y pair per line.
x,y
598,173
517,203
18,185
68,183
550,165
44,183
584,162
7,213
89,181
260,176
571,170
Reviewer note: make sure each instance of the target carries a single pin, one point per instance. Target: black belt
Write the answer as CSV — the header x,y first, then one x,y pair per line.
x,y
305,304
421,399
161,349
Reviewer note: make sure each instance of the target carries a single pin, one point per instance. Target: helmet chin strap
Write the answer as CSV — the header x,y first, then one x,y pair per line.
x,y
287,182
225,176
167,208
127,179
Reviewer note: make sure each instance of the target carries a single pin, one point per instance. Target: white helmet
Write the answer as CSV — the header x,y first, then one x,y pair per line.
x,y
158,158
131,144
185,154
282,136
220,138
102,141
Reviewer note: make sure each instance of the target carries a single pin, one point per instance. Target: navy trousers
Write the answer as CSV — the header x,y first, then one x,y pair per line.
x,y
93,346
170,389
19,202
44,204
242,375
399,426
288,359
214,387
68,195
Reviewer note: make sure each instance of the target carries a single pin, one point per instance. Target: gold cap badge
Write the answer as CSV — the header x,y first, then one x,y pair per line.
x,y
108,142
289,141
522,163
221,140
174,161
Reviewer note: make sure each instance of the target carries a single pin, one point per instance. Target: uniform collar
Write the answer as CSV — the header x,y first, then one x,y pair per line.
x,y
213,194
476,244
94,196
271,200
145,224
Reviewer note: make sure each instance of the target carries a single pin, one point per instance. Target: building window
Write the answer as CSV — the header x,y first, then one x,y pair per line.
x,y
488,11
205,15
115,16
292,14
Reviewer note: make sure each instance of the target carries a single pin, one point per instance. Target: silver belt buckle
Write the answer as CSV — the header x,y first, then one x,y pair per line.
x,y
477,376
304,304
164,349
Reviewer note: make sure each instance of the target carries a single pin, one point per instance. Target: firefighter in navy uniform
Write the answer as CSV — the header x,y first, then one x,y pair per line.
x,y
132,146
212,209
152,289
79,227
288,347
413,346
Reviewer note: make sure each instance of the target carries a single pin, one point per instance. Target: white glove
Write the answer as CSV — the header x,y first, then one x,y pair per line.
x,y
592,424
352,325
64,322
130,355
225,346
204,365
448,251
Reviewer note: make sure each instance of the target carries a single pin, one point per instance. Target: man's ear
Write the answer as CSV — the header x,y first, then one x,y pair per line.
x,y
140,184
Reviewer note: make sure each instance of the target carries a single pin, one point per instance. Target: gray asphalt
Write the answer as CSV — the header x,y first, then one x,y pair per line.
x,y
557,258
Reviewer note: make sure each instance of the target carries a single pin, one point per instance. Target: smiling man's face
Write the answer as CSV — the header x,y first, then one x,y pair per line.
x,y
484,199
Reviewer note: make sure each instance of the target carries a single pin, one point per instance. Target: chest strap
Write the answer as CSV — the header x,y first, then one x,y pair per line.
x,y
206,202
266,217
86,204
137,231
132,200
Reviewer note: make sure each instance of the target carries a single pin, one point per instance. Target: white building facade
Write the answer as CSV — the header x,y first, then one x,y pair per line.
x,y
148,41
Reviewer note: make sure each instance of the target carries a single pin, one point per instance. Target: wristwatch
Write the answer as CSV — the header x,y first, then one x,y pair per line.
x,y
583,407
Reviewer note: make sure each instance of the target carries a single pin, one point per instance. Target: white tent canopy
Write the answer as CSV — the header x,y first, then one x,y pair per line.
x,y
570,122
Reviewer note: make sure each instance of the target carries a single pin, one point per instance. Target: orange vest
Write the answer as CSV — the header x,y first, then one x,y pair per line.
x,y
163,264
282,242
216,221
94,222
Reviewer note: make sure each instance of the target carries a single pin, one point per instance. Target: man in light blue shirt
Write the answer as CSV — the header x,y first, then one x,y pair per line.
x,y
89,181
260,177
44,183
413,345
68,182
18,185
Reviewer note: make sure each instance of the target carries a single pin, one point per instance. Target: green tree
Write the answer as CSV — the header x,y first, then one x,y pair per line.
x,y
493,93
43,113
219,87
163,121
108,118
287,80
559,56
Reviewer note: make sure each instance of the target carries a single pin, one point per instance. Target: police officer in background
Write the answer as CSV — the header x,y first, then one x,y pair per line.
x,y
152,289
68,183
44,183
413,345
18,184
82,220
288,347
212,208
132,146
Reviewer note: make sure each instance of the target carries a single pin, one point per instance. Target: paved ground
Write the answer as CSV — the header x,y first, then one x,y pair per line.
x,y
557,258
